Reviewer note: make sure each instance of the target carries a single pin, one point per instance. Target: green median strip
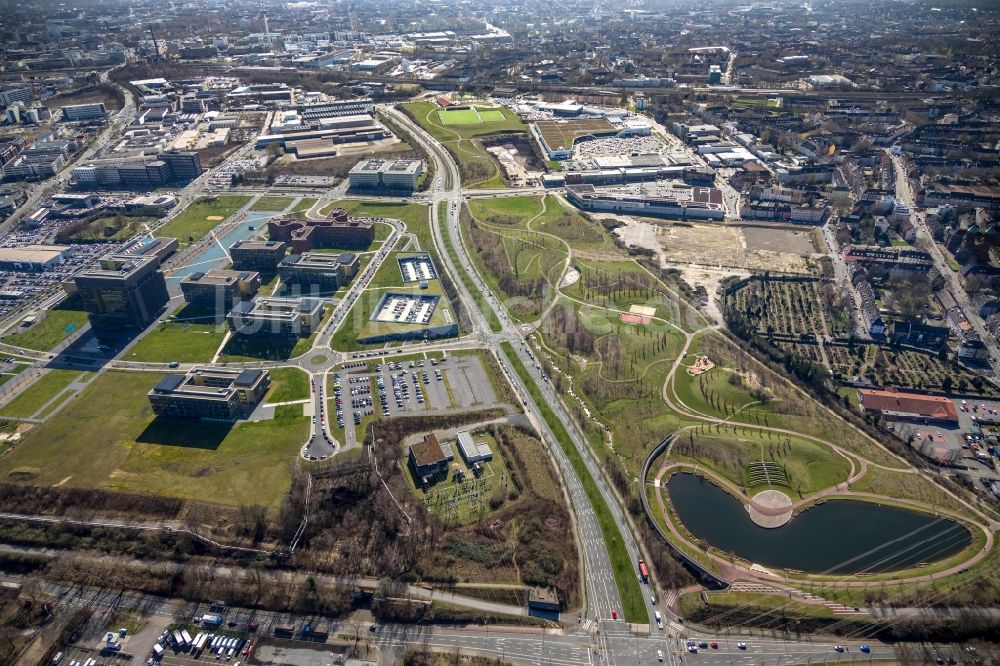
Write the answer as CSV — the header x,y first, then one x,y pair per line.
x,y
633,600
477,296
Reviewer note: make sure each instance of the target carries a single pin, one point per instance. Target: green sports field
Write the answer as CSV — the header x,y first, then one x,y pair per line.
x,y
471,116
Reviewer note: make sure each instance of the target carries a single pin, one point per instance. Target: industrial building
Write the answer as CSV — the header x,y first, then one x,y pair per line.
x,y
687,203
122,291
32,258
257,255
337,229
81,112
472,451
219,289
388,175
211,394
320,270
270,316
428,460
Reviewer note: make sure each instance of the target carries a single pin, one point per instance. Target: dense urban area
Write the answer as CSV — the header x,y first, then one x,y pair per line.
x,y
481,333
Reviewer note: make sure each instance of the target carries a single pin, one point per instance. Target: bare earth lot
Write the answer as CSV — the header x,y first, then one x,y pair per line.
x,y
715,245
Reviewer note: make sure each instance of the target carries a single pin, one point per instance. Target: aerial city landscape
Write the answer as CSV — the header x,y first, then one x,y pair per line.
x,y
459,332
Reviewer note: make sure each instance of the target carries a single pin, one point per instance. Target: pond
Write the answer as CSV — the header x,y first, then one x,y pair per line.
x,y
839,536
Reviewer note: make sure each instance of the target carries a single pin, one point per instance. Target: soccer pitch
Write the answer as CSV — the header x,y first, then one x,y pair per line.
x,y
472,116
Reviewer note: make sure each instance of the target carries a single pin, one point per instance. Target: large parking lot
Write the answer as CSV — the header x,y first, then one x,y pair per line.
x,y
967,444
389,388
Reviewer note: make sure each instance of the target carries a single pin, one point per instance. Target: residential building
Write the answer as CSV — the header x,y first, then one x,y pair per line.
x,y
920,335
270,316
257,255
14,93
122,291
219,289
871,318
212,394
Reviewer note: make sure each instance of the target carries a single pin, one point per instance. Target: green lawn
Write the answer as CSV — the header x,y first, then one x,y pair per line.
x,y
184,342
633,599
477,167
121,226
413,215
458,117
241,349
10,370
56,325
126,448
31,399
272,204
287,384
194,222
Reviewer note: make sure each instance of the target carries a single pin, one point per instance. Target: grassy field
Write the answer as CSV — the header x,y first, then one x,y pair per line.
x,y
202,216
10,370
31,399
56,325
728,450
185,342
126,448
476,166
287,384
121,226
272,204
633,600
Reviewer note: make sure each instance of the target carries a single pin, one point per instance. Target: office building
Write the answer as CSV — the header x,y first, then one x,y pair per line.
x,y
137,173
255,255
219,289
390,175
269,316
184,165
337,229
320,270
81,112
122,291
212,394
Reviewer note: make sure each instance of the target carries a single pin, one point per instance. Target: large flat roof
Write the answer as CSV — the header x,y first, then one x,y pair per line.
x,y
908,404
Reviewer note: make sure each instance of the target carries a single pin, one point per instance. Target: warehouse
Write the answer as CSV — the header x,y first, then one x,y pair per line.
x,y
32,258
